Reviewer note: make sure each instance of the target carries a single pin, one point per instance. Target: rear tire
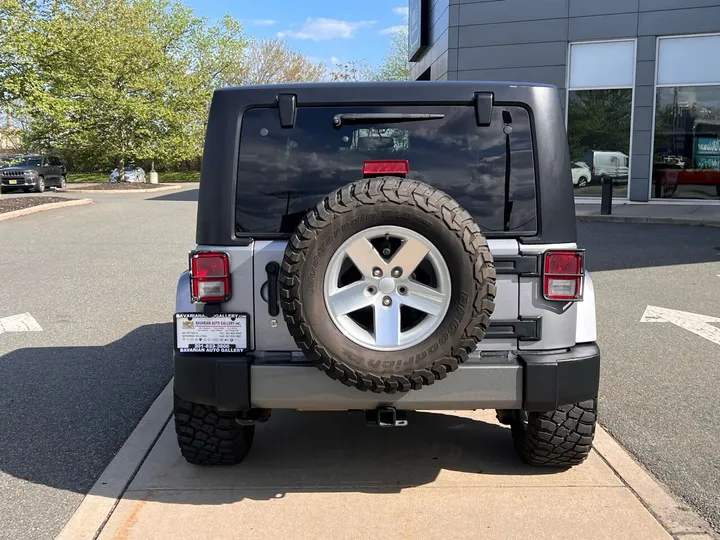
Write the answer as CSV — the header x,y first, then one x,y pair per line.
x,y
207,436
560,438
582,182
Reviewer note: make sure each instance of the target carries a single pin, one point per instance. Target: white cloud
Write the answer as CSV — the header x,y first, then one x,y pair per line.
x,y
402,11
263,22
321,29
391,30
334,60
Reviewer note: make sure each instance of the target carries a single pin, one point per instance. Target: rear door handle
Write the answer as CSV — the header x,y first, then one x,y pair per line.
x,y
273,270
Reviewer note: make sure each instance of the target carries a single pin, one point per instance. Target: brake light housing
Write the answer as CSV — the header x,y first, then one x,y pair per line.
x,y
209,277
386,167
563,275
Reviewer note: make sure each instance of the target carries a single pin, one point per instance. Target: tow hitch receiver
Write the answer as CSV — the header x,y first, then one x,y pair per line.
x,y
386,417
253,416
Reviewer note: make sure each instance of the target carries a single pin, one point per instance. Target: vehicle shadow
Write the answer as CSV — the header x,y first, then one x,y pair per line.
x,y
620,246
183,195
66,411
334,452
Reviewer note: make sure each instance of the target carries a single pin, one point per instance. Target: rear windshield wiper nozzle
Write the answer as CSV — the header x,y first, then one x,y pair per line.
x,y
374,118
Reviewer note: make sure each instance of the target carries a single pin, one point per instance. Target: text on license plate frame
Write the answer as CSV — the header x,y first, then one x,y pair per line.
x,y
223,333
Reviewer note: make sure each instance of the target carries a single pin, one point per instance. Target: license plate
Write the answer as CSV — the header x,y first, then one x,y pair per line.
x,y
222,333
13,182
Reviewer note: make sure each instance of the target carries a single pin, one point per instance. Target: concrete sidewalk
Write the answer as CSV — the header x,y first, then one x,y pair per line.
x,y
673,214
329,476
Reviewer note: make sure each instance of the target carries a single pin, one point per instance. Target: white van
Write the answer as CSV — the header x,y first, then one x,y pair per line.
x,y
615,165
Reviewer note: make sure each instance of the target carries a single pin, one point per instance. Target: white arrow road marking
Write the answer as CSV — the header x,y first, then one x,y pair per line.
x,y
19,323
695,323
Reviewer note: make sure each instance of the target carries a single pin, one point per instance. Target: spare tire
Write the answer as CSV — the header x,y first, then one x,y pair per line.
x,y
387,285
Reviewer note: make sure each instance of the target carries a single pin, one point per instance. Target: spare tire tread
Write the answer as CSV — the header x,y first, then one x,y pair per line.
x,y
402,192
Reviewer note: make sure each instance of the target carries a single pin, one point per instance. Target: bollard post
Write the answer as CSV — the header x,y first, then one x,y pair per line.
x,y
153,174
606,196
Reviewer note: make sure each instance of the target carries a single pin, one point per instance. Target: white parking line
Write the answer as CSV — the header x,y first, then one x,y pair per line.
x,y
19,323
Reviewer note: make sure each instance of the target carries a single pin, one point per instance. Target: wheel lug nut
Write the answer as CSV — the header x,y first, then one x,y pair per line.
x,y
371,290
402,290
396,272
376,272
387,301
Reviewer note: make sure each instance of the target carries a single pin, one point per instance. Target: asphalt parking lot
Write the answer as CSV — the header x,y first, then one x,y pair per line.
x,y
100,282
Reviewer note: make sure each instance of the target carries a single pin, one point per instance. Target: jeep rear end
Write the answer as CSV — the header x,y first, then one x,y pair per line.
x,y
386,247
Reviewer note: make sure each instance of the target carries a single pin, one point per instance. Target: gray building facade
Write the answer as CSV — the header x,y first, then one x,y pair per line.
x,y
670,106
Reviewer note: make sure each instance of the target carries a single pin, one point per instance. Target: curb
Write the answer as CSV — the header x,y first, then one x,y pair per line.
x,y
673,515
102,191
98,505
650,220
42,208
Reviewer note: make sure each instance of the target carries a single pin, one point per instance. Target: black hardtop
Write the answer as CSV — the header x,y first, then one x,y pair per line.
x,y
217,198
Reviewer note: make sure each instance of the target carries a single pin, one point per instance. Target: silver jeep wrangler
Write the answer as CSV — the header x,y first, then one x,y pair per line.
x,y
386,247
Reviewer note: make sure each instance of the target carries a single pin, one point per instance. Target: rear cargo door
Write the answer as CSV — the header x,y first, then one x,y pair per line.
x,y
271,332
485,162
504,323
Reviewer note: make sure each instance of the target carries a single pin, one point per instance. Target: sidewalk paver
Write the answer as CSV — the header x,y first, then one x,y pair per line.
x,y
327,475
677,214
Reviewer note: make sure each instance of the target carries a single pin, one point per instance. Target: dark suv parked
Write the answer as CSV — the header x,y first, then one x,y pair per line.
x,y
33,172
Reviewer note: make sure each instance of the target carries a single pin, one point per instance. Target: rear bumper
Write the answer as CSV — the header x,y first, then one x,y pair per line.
x,y
533,382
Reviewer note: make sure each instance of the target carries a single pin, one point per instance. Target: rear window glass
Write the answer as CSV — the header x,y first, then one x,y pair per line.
x,y
285,172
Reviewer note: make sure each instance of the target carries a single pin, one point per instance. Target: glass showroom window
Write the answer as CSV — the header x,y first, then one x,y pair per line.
x,y
686,155
599,111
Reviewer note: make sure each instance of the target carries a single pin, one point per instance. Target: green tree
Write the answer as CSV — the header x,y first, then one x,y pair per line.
x,y
599,120
395,65
16,73
110,80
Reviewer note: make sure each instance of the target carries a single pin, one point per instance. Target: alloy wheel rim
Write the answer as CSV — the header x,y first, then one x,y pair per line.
x,y
387,288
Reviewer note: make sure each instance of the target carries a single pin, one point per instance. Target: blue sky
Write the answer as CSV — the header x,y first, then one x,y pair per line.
x,y
324,30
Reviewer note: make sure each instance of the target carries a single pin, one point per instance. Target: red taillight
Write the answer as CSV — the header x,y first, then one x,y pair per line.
x,y
209,277
563,275
380,167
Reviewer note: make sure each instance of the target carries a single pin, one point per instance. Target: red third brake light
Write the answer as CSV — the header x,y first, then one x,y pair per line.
x,y
209,277
563,275
381,167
